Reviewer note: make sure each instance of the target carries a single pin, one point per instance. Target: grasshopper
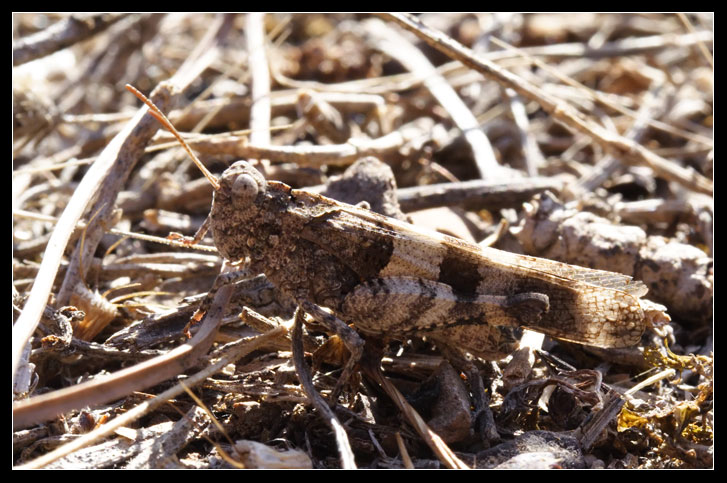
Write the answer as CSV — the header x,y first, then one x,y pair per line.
x,y
343,265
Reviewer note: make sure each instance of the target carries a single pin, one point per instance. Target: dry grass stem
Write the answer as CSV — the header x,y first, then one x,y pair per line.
x,y
581,138
618,145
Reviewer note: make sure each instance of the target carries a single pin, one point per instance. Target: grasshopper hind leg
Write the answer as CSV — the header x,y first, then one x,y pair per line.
x,y
484,325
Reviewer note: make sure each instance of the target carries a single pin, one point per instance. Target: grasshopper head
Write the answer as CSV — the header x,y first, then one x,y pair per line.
x,y
241,212
240,186
243,206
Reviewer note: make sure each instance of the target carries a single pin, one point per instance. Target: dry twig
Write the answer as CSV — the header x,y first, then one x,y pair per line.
x,y
578,124
619,146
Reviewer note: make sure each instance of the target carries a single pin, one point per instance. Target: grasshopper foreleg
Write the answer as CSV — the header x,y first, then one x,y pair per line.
x,y
198,235
224,278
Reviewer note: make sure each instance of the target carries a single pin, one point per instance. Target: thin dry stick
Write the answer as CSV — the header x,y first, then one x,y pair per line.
x,y
405,81
664,374
607,166
237,110
615,144
134,148
309,156
344,448
260,75
595,426
398,47
702,48
617,48
105,176
120,384
476,193
62,34
531,152
432,439
159,116
405,458
244,347
114,231
604,99
160,142
323,117
97,173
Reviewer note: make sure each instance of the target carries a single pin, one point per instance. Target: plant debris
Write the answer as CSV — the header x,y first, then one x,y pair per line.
x,y
583,138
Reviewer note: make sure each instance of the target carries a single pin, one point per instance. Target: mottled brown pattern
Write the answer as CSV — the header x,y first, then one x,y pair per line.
x,y
393,279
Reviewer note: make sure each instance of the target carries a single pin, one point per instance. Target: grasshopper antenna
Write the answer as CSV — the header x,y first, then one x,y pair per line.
x,y
159,116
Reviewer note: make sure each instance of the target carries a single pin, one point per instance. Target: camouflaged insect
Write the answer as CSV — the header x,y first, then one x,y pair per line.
x,y
389,278
392,279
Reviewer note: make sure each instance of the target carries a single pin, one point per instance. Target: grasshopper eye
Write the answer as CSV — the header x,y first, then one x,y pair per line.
x,y
244,189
